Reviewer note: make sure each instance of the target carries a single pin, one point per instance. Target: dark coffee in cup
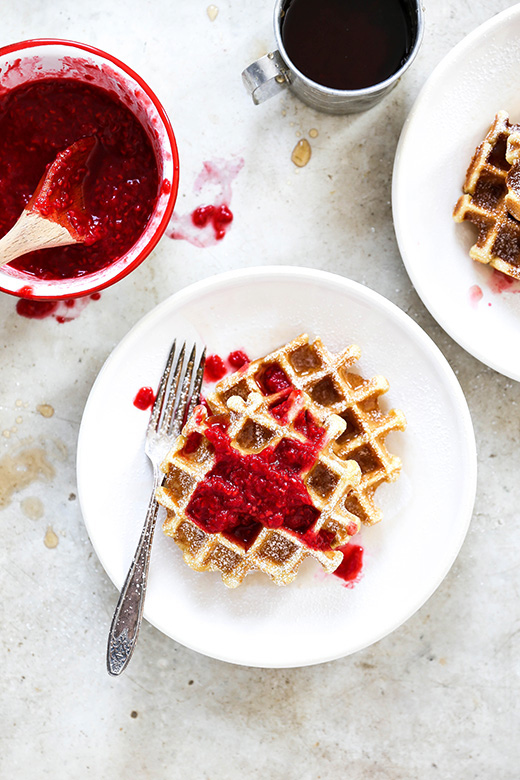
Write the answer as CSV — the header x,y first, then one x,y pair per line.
x,y
347,44
338,56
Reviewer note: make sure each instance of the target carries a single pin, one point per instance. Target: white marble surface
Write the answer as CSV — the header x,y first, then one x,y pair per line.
x,y
436,699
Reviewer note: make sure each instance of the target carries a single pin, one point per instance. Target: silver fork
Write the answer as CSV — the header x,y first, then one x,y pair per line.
x,y
174,403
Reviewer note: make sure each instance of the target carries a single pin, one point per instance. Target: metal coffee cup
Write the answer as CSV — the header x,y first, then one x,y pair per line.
x,y
275,71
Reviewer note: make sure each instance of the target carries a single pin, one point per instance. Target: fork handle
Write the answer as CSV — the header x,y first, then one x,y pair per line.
x,y
127,618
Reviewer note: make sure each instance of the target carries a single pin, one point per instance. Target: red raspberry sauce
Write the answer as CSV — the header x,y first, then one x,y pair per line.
x,y
243,493
145,398
35,310
214,368
272,379
220,217
237,359
352,563
40,120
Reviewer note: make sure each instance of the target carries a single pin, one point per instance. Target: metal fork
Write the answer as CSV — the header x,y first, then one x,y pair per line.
x,y
174,403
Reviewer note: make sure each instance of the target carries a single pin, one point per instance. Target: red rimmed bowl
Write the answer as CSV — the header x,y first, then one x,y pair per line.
x,y
39,59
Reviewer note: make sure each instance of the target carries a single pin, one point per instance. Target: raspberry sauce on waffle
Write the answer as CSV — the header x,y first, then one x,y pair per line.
x,y
244,492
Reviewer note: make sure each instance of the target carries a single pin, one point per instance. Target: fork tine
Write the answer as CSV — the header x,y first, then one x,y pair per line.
x,y
164,424
177,421
163,384
199,376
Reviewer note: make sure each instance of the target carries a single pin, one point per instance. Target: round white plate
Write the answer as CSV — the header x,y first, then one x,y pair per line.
x,y
426,512
451,116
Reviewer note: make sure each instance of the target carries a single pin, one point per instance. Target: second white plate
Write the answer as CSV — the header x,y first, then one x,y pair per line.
x,y
426,512
477,306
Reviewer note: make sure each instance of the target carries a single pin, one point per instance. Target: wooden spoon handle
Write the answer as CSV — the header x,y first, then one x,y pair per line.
x,y
32,231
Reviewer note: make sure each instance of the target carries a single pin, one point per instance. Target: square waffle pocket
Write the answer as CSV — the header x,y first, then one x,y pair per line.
x,y
312,434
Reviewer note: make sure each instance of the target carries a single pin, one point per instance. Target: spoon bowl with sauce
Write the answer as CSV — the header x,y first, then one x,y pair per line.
x,y
56,214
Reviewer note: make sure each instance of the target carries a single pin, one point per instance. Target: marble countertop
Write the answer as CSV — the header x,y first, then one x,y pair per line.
x,y
439,697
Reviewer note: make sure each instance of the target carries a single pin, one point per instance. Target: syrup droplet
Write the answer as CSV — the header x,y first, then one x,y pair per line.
x,y
212,12
301,153
50,539
46,410
313,133
32,507
19,470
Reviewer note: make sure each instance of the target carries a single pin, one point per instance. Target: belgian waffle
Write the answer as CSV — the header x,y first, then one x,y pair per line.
x,y
263,403
278,552
513,175
331,386
490,192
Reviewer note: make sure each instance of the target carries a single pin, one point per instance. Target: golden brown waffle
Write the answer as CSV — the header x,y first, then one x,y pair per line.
x,y
487,198
332,387
279,552
513,175
262,404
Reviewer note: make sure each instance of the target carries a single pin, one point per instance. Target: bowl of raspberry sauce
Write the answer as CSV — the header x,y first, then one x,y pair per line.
x,y
52,93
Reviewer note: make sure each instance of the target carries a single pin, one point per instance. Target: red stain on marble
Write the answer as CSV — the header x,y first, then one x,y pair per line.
x,y
209,222
61,311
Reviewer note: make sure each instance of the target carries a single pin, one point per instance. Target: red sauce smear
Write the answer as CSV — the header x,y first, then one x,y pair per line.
x,y
500,283
35,310
145,398
350,568
238,359
475,295
44,118
206,225
61,311
220,217
214,368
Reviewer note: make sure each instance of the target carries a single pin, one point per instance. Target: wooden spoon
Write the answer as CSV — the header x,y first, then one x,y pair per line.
x,y
55,214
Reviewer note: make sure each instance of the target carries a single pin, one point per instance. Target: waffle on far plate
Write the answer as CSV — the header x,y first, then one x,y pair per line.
x,y
491,199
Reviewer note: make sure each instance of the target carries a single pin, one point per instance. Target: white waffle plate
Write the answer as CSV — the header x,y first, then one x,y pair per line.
x,y
477,306
426,512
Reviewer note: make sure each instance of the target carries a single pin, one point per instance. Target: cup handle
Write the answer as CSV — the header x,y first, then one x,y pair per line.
x,y
266,77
